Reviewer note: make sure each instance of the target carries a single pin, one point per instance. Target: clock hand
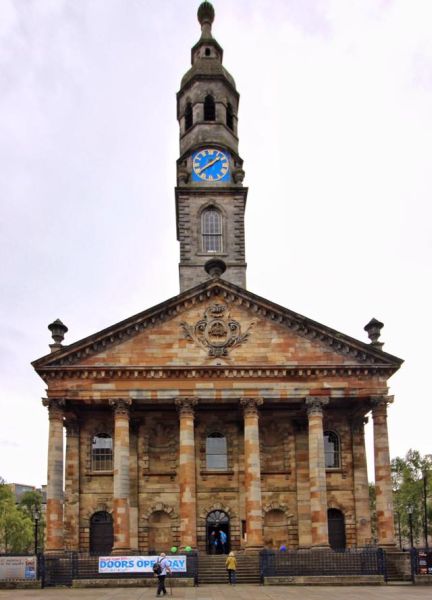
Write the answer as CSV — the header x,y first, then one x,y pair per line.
x,y
209,164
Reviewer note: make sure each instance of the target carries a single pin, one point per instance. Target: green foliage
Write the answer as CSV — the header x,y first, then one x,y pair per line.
x,y
29,503
16,525
408,476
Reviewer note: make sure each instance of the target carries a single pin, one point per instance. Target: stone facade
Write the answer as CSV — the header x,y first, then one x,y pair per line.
x,y
216,407
160,395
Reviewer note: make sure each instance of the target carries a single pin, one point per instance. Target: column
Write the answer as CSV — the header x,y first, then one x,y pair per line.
x,y
317,473
187,472
383,482
54,510
303,487
254,520
361,484
121,476
72,475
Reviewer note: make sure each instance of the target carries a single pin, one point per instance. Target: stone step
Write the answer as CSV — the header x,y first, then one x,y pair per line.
x,y
212,569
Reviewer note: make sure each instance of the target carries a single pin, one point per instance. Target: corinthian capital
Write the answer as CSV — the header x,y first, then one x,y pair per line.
x,y
357,424
379,405
185,406
55,407
72,425
315,404
121,406
250,405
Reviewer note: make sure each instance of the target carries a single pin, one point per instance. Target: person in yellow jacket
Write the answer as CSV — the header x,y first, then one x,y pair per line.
x,y
231,565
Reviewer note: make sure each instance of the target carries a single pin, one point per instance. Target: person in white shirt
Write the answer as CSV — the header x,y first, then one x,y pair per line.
x,y
161,577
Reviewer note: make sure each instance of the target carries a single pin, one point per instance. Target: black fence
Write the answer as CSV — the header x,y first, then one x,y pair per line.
x,y
65,568
421,561
294,563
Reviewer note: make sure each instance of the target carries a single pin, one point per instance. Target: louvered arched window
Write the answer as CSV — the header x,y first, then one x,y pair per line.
x,y
211,230
188,116
332,450
209,108
229,116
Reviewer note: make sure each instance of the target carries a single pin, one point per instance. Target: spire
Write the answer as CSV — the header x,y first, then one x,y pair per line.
x,y
206,15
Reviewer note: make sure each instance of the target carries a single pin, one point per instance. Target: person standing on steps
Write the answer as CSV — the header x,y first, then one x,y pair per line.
x,y
213,542
163,563
223,540
231,565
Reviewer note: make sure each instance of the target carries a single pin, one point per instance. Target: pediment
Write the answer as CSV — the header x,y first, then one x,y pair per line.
x,y
217,324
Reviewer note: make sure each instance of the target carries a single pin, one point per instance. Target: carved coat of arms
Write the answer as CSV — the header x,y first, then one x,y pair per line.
x,y
216,332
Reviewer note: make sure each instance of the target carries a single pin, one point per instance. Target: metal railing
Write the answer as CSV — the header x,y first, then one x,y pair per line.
x,y
293,563
65,568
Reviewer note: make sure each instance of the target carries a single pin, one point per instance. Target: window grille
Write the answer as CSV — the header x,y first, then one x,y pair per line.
x,y
102,452
216,452
211,230
331,450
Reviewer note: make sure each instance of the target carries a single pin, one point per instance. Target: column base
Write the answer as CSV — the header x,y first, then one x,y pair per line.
x,y
253,549
120,551
54,552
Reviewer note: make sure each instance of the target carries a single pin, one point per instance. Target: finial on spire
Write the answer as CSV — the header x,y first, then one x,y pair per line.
x,y
206,15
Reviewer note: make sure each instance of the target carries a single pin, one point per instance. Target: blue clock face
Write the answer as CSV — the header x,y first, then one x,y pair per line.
x,y
210,165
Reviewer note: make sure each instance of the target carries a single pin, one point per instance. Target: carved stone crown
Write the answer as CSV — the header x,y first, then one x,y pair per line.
x,y
216,332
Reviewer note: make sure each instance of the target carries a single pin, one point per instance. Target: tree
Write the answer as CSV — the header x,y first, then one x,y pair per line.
x,y
31,502
409,476
16,527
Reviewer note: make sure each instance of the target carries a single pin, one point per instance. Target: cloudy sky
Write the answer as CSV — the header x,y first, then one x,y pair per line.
x,y
335,129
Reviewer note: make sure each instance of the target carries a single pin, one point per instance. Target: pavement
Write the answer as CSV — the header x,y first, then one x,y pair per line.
x,y
227,592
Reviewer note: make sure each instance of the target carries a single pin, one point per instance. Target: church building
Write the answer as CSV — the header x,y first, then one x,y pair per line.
x,y
216,410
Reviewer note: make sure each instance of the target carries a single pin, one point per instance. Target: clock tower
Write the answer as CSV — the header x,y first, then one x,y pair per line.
x,y
210,197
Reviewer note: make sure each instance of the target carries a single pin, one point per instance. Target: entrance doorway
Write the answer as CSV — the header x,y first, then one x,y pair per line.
x,y
336,529
101,533
217,527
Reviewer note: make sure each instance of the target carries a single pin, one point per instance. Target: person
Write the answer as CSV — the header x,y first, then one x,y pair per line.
x,y
223,540
213,542
161,577
231,565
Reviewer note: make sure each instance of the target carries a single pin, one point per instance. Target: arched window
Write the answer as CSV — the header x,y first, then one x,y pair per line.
x,y
216,452
209,108
211,228
102,452
331,450
229,116
188,116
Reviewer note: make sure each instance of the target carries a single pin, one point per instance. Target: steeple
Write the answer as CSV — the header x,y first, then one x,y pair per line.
x,y
210,197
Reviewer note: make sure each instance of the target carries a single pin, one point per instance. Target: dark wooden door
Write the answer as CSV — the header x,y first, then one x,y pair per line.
x,y
336,529
101,533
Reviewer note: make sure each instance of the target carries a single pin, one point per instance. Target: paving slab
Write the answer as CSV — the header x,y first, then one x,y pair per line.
x,y
227,592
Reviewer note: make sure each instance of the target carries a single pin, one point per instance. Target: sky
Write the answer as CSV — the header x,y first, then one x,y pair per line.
x,y
335,127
